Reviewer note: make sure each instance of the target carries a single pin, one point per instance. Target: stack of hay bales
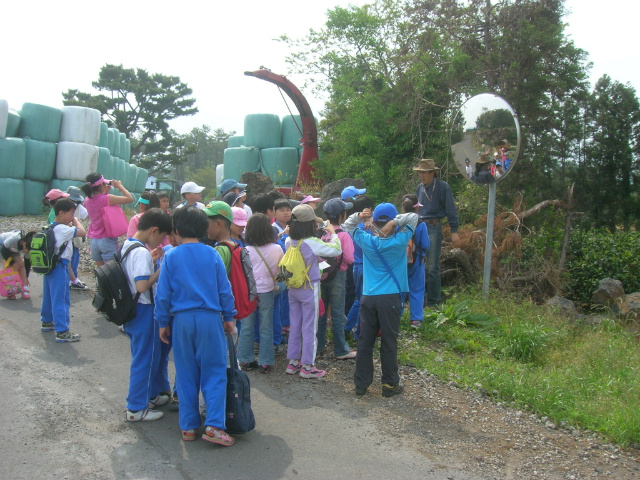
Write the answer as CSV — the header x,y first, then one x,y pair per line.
x,y
269,145
43,147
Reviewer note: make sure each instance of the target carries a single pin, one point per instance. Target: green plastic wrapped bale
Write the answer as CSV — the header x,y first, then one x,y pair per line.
x,y
235,141
126,150
123,153
291,131
219,174
13,157
40,160
63,184
11,197
4,113
119,171
262,130
141,179
104,135
13,123
40,122
104,163
116,143
280,164
239,160
33,193
133,177
111,140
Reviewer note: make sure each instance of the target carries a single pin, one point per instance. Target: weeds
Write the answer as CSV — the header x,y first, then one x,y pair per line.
x,y
587,376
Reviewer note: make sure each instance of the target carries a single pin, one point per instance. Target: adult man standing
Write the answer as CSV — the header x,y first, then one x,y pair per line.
x,y
437,202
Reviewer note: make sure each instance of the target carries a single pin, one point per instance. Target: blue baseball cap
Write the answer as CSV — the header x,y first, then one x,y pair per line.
x,y
352,191
385,211
334,207
230,183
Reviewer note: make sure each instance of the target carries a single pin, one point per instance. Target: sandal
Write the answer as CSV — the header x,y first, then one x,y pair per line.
x,y
218,436
189,435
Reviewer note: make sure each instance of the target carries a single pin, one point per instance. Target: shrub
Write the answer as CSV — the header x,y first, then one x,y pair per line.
x,y
594,255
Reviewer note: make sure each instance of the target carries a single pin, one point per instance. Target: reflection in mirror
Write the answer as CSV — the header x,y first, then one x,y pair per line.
x,y
485,138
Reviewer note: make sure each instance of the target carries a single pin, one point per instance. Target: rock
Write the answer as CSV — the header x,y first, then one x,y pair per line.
x,y
610,293
256,183
630,306
568,307
334,189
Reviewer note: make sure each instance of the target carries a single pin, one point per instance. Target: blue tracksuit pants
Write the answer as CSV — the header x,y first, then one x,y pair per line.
x,y
55,297
145,358
416,290
200,356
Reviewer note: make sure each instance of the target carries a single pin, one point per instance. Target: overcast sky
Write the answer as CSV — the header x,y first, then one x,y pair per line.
x,y
49,47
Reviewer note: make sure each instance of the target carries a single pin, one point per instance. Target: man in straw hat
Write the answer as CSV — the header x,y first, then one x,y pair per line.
x,y
437,202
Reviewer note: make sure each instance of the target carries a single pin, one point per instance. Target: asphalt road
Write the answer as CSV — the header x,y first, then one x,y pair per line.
x,y
63,417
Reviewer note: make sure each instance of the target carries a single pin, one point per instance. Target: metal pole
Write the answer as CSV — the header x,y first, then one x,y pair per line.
x,y
486,279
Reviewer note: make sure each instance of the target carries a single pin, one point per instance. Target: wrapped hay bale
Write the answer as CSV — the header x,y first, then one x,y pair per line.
x,y
262,130
141,179
13,156
235,141
103,141
280,165
40,160
63,184
105,163
80,124
13,123
40,122
33,193
239,160
122,144
291,131
75,161
4,117
11,197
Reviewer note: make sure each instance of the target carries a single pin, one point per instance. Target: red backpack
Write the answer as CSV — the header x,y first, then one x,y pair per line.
x,y
243,283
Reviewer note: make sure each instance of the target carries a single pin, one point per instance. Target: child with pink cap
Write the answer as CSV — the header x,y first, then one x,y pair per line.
x,y
237,227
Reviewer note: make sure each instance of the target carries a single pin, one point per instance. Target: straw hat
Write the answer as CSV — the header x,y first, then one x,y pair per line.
x,y
426,165
484,158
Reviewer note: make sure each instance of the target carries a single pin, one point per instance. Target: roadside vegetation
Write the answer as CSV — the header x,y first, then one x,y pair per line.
x,y
585,375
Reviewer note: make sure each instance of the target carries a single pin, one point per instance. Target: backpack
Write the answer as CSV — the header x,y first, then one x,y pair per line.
x,y
42,254
331,271
411,251
113,298
243,283
293,268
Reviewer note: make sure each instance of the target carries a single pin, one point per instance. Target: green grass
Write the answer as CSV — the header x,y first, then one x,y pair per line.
x,y
587,376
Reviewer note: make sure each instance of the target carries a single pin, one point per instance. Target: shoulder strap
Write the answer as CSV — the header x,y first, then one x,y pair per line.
x,y
64,245
119,261
386,265
266,265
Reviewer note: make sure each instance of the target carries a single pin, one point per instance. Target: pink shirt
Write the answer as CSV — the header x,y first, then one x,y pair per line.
x,y
133,225
272,254
94,206
347,249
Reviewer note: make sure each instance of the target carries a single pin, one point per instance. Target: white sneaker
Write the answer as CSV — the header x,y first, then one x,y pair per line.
x,y
146,415
159,401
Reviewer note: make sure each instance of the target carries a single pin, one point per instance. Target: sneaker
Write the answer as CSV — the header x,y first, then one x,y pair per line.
x,y
361,390
389,391
145,415
347,356
67,336
310,371
293,369
79,286
174,406
26,295
265,368
218,436
46,326
416,324
159,400
248,366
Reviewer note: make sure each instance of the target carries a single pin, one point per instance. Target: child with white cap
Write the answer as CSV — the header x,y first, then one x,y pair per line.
x,y
192,194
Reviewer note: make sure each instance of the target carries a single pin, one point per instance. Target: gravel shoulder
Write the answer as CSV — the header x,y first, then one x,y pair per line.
x,y
434,430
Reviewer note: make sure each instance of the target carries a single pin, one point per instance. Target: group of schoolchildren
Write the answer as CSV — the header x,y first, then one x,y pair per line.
x,y
186,302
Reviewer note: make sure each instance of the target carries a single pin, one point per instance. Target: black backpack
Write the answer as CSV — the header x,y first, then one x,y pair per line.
x,y
113,298
42,254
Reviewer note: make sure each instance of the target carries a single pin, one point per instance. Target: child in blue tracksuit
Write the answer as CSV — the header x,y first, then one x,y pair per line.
x,y
416,267
194,288
148,387
360,203
54,312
